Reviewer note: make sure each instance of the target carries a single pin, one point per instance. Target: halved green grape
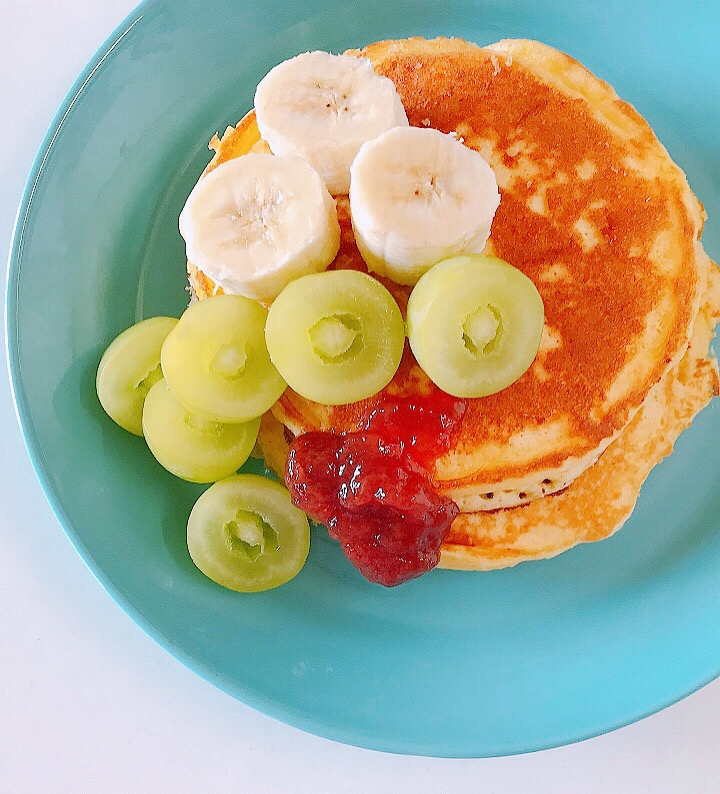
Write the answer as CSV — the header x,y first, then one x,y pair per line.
x,y
128,368
336,337
245,534
216,362
474,324
189,446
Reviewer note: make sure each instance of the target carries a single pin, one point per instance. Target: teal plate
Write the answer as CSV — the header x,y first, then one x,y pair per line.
x,y
453,664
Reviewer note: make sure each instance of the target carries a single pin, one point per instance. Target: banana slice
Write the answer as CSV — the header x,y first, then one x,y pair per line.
x,y
323,107
418,196
257,222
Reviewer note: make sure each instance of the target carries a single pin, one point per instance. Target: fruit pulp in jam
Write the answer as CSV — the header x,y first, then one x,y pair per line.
x,y
378,503
372,490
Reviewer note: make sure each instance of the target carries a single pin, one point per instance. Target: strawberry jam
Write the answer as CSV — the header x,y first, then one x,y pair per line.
x,y
376,501
371,487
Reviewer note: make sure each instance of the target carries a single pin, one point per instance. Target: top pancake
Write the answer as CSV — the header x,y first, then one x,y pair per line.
x,y
595,213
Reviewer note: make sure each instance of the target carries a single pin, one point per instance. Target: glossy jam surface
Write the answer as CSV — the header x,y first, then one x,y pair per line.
x,y
374,498
424,426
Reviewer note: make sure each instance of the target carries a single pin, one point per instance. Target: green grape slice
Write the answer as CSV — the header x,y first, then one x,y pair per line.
x,y
192,447
216,362
336,337
245,534
128,369
474,324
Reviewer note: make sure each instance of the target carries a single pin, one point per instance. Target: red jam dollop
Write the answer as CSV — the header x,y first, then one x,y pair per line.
x,y
372,488
377,501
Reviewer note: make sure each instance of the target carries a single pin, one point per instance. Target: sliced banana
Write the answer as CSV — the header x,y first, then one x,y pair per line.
x,y
323,107
257,222
418,196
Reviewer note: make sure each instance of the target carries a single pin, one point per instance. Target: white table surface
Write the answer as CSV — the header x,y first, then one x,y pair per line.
x,y
89,703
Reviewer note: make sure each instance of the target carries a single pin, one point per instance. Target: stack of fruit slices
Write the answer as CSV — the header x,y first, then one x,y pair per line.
x,y
264,228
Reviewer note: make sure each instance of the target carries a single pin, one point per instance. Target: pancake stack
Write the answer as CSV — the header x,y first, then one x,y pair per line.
x,y
595,212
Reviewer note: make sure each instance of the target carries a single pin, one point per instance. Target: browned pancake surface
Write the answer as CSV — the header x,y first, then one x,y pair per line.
x,y
583,224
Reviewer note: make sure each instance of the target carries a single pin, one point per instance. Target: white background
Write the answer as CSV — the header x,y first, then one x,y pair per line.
x,y
88,703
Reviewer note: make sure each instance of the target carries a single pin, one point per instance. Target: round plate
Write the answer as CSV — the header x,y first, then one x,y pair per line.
x,y
454,664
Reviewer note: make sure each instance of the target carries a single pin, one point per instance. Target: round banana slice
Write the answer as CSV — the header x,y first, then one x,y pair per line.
x,y
257,222
418,196
323,107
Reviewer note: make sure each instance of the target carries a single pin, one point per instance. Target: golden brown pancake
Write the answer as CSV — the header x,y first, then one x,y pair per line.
x,y
594,211
596,214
